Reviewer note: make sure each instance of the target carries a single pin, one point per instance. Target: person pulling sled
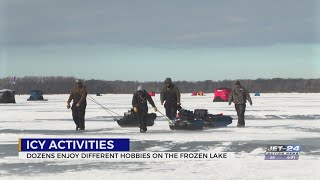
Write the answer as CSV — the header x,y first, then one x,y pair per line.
x,y
78,95
140,107
170,97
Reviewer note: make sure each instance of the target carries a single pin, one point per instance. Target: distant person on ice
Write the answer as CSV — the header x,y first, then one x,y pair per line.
x,y
140,107
170,96
78,95
239,97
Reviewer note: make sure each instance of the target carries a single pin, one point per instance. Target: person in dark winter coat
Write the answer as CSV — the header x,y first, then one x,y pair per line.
x,y
140,107
170,96
239,96
78,95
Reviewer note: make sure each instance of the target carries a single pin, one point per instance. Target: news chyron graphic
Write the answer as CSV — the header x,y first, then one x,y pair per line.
x,y
36,148
108,149
283,152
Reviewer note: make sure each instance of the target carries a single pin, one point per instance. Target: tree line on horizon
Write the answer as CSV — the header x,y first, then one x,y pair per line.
x,y
63,85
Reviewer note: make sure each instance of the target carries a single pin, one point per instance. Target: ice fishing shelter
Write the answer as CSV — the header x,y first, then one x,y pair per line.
x,y
36,95
7,96
221,94
151,93
194,93
257,94
200,93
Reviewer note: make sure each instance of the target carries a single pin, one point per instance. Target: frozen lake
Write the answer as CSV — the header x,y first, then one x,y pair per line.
x,y
273,119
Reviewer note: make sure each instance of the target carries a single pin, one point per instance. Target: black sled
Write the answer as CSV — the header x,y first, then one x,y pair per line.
x,y
212,120
187,124
186,120
130,120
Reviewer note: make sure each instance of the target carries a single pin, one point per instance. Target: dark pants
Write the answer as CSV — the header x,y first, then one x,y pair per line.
x,y
142,117
241,109
171,110
78,114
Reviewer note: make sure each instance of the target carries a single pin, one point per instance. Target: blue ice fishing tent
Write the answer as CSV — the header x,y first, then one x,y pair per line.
x,y
257,94
36,95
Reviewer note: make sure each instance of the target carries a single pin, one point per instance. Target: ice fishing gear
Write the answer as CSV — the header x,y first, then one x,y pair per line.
x,y
187,120
106,109
199,119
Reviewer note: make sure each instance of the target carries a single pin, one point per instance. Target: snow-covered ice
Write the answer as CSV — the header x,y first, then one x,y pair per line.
x,y
292,118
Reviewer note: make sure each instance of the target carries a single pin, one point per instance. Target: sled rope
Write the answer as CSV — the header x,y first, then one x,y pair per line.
x,y
106,109
95,101
169,120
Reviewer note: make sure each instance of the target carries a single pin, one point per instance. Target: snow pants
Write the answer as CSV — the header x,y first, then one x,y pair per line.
x,y
241,109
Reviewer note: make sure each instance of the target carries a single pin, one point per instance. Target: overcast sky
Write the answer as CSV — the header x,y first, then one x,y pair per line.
x,y
152,39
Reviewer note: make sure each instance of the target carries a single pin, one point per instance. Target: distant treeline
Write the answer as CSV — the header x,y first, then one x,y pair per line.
x,y
63,85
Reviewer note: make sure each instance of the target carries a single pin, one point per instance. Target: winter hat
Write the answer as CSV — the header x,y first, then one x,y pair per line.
x,y
140,88
168,80
78,81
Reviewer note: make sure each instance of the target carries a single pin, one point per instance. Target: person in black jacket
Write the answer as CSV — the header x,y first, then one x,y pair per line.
x,y
171,96
140,107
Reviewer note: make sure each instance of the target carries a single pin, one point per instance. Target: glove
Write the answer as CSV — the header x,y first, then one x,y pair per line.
x,y
229,103
250,103
135,109
68,105
155,109
178,104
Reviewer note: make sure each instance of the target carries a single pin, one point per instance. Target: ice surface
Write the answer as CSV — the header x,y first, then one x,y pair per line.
x,y
292,118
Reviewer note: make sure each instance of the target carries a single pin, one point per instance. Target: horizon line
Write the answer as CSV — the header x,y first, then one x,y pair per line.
x,y
83,79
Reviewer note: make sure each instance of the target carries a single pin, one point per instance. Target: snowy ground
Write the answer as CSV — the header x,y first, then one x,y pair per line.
x,y
273,119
